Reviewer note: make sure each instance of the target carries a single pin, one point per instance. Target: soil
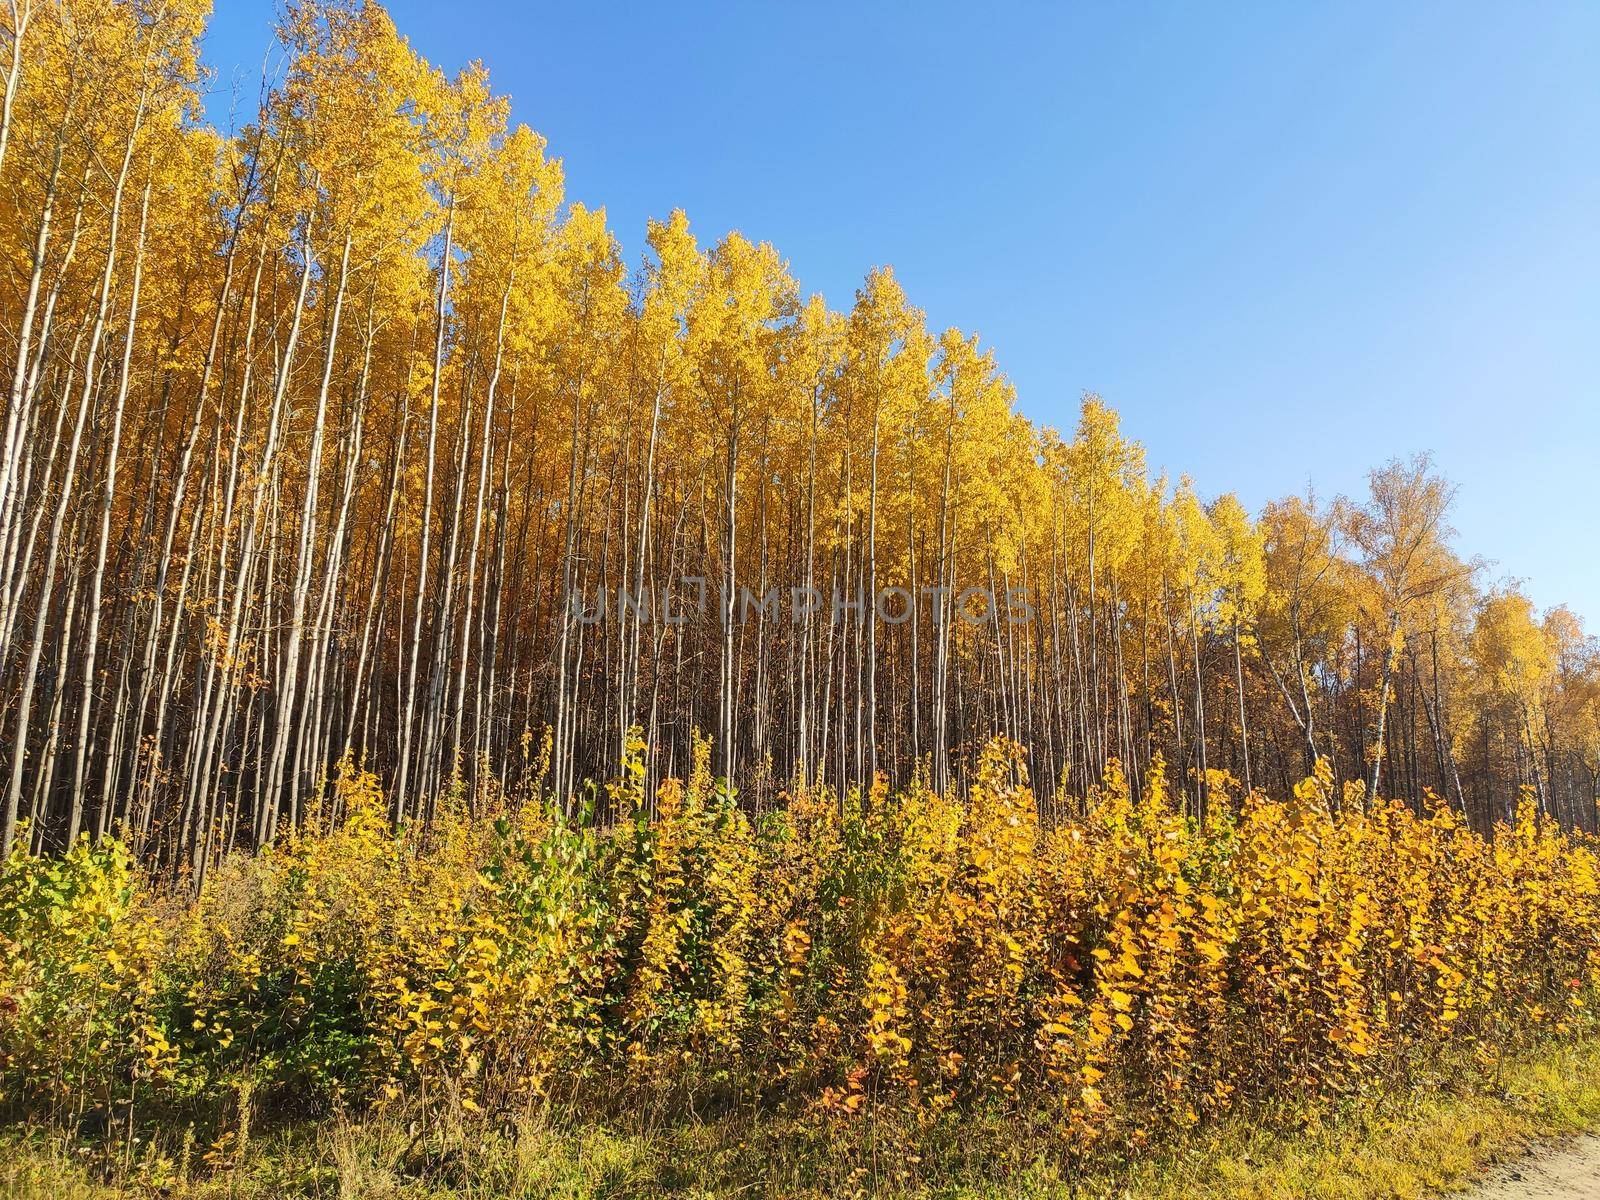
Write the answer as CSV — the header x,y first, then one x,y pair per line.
x,y
1568,1171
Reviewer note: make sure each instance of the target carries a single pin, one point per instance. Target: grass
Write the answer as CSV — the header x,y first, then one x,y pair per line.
x,y
1425,1140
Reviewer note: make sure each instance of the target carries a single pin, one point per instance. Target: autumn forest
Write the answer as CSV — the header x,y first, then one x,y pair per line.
x,y
462,677
346,435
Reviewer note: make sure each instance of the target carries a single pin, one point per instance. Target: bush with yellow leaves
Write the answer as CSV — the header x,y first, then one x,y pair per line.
x,y
79,955
1125,970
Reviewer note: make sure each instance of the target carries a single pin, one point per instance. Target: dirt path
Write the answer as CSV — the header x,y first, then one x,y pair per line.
x,y
1569,1172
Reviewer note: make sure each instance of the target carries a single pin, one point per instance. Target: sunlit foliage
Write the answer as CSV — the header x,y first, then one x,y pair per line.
x,y
1128,968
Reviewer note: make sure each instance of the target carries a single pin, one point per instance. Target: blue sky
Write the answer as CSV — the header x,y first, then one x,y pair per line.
x,y
1286,241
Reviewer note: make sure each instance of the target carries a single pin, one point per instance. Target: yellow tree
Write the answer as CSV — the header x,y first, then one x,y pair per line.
x,y
883,386
1103,477
672,282
1516,668
812,363
970,422
1195,580
732,343
1304,608
1241,584
1572,715
579,366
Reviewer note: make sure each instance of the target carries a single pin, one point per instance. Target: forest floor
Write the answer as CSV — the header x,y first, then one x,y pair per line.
x,y
1526,1136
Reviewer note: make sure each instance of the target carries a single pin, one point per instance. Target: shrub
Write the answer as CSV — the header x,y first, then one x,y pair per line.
x,y
1129,969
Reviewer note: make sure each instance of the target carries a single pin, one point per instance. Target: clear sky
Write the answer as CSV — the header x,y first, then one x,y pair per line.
x,y
1286,241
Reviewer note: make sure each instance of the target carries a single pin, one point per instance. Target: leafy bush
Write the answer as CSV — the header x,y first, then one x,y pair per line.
x,y
1128,969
